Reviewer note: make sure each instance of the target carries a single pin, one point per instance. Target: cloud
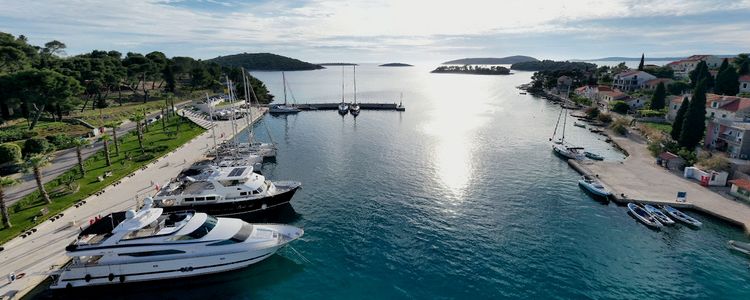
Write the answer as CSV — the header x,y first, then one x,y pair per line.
x,y
369,29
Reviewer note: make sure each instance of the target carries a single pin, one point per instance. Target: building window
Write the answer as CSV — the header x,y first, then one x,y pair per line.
x,y
712,114
714,104
724,115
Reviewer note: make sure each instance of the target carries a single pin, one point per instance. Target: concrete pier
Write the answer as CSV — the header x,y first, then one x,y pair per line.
x,y
639,179
363,106
43,252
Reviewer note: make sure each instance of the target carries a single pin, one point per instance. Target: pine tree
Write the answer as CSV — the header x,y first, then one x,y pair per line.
x,y
660,94
678,119
643,60
694,124
724,66
727,81
744,68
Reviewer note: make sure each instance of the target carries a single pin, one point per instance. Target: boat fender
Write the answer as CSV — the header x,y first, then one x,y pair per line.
x,y
87,277
111,277
264,206
122,278
69,285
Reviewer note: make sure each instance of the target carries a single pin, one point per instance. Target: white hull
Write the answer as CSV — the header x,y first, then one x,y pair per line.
x,y
599,191
566,152
158,270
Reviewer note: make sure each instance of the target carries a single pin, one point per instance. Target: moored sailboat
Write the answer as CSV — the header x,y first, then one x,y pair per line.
x,y
354,108
283,108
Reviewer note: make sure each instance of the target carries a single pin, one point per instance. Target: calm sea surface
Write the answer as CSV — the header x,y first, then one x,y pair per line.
x,y
459,197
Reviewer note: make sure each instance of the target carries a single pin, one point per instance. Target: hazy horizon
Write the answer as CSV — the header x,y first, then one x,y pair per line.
x,y
383,31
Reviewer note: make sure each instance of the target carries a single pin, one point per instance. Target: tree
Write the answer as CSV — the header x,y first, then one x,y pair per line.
x,y
106,139
138,119
54,47
114,125
724,65
79,143
727,81
694,125
620,107
744,69
35,164
678,119
643,60
44,90
701,73
677,88
5,182
36,145
660,94
742,59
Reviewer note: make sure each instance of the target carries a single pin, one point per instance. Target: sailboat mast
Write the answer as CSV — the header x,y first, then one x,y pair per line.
x,y
249,103
355,84
213,126
283,79
342,84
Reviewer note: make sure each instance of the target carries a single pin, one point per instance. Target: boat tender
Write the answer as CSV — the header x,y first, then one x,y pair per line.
x,y
658,214
594,186
741,247
682,217
644,216
592,155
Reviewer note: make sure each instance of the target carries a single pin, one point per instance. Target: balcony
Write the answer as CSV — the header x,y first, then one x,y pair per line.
x,y
730,138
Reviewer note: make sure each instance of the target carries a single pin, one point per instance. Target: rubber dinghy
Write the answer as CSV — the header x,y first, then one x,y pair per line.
x,y
644,216
741,247
680,216
659,215
594,186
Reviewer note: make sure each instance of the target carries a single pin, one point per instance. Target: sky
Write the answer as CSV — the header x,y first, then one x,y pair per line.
x,y
379,31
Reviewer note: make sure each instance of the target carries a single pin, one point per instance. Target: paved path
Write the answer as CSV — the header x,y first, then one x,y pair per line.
x,y
642,180
43,251
62,161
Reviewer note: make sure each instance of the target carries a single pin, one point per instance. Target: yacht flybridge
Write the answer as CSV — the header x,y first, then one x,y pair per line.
x,y
222,191
148,245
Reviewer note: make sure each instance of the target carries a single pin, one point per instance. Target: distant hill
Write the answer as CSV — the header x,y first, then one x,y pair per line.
x,y
264,62
673,58
396,65
549,65
491,60
338,64
493,70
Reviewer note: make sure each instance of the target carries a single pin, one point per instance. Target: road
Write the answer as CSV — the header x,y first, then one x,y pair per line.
x,y
44,251
62,161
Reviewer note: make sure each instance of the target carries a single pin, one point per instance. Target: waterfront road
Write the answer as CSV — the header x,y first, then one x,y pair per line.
x,y
43,252
62,161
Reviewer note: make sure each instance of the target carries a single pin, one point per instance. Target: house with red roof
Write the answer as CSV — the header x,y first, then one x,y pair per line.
x,y
632,80
683,67
745,84
653,83
728,128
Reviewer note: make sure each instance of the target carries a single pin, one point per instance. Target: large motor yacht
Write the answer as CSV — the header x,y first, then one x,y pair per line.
x,y
146,245
223,191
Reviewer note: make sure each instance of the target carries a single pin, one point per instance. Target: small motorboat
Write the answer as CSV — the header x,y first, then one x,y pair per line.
x,y
659,215
594,186
592,155
576,124
568,152
522,93
741,247
644,216
682,217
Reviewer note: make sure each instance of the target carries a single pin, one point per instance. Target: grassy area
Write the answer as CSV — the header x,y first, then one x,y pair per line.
x,y
48,128
72,188
115,111
667,128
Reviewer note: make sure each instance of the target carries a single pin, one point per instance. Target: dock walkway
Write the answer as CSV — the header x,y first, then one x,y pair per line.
x,y
44,251
639,179
363,106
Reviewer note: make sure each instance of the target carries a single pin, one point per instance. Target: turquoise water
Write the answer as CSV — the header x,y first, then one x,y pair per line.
x,y
458,197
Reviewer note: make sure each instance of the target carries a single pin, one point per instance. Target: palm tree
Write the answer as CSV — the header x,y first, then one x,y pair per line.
x,y
138,119
35,164
105,139
79,143
5,181
114,125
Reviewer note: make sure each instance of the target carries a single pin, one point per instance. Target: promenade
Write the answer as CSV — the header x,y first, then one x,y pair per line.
x,y
43,252
641,180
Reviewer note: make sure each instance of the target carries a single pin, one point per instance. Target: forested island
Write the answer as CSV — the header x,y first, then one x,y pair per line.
x,y
396,65
550,65
468,69
339,64
491,60
264,62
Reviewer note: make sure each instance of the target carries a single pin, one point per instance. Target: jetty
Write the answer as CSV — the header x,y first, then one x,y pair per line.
x,y
42,253
639,179
363,106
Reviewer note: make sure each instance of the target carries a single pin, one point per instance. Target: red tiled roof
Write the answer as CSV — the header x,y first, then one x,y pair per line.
x,y
677,99
668,156
657,80
581,89
604,88
745,78
628,73
742,183
737,104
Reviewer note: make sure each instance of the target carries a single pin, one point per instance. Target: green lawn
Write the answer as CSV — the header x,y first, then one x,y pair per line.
x,y
157,142
663,127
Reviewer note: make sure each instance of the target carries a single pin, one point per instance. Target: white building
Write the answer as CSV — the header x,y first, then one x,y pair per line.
x,y
630,81
745,84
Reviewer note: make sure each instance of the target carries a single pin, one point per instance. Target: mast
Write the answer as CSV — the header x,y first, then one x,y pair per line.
x,y
355,84
283,79
249,102
213,126
342,84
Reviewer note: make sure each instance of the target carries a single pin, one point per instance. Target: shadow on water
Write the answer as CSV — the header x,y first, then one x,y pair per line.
x,y
242,283
284,214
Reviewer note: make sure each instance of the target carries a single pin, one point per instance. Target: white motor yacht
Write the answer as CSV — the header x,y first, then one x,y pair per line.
x,y
147,245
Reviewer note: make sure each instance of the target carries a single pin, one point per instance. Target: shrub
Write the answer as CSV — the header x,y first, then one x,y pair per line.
x,y
620,126
9,152
157,148
60,140
592,112
605,118
620,107
717,163
36,146
143,157
647,113
15,134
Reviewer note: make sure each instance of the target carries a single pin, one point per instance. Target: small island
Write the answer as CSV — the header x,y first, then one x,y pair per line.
x,y
395,65
264,62
468,69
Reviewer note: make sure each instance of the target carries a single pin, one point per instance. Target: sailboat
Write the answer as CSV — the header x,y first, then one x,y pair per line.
x,y
283,108
559,146
343,107
354,108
